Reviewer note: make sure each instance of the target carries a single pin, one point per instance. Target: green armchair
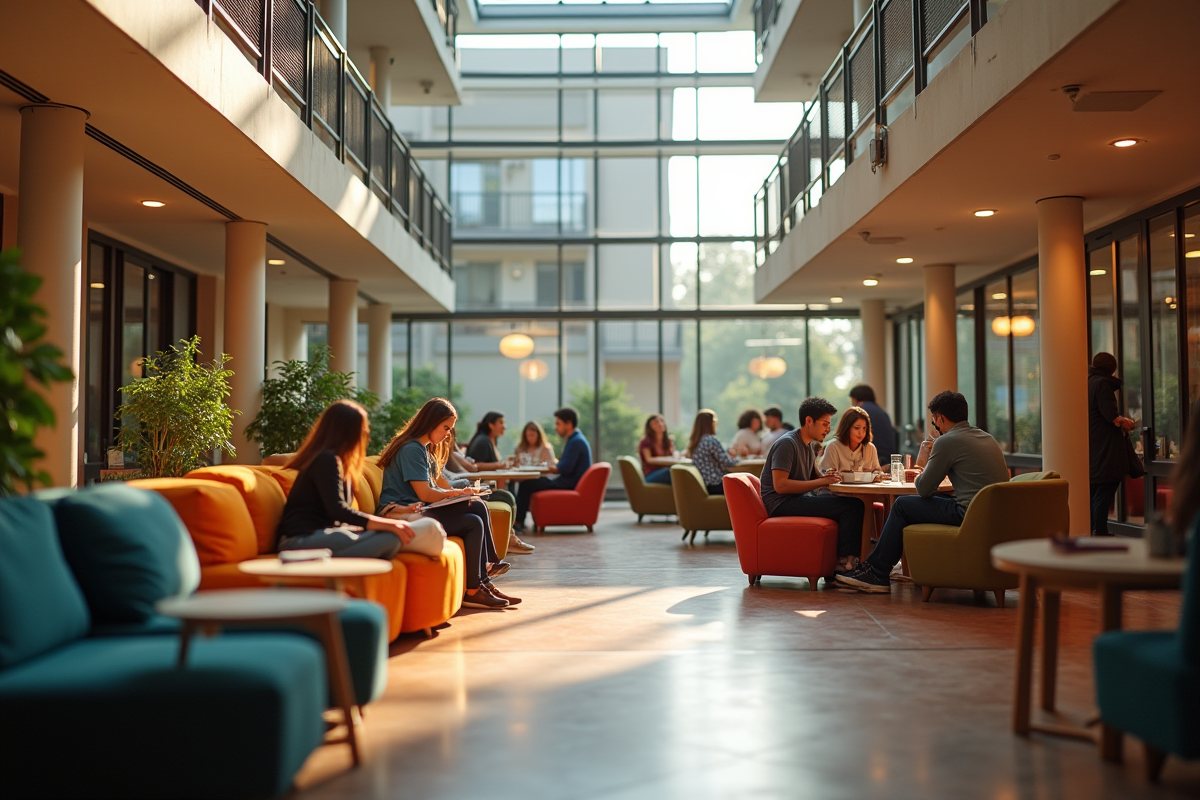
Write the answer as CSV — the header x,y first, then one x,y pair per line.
x,y
698,510
1030,506
645,498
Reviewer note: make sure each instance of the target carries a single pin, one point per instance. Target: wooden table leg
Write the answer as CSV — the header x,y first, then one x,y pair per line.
x,y
868,526
329,630
1110,620
1024,677
186,630
1051,602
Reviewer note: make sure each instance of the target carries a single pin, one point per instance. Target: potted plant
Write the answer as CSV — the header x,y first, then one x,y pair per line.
x,y
24,360
175,414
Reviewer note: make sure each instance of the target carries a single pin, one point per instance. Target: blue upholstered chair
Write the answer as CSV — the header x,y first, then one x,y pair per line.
x,y
1148,682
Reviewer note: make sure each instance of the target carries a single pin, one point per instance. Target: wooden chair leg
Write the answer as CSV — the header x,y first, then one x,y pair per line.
x,y
640,519
590,529
926,593
1155,759
693,539
752,579
904,566
685,535
812,583
999,598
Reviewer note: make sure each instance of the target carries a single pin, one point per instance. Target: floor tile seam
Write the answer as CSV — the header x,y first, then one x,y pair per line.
x,y
898,649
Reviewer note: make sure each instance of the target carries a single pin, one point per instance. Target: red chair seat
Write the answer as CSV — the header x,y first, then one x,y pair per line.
x,y
578,506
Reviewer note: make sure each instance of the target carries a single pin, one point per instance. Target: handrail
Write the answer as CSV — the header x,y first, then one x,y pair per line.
x,y
294,49
866,86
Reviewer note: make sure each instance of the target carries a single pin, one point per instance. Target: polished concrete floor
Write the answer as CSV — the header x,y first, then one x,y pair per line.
x,y
639,667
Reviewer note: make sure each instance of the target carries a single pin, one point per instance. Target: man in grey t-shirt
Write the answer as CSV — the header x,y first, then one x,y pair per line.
x,y
790,479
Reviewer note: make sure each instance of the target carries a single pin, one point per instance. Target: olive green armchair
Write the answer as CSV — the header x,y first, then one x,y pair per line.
x,y
645,498
697,509
1030,506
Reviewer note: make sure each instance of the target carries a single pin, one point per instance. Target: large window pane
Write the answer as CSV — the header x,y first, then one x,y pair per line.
x,y
508,54
626,52
964,325
682,197
679,114
996,351
578,114
729,112
834,358
1027,378
512,277
421,123
627,195
399,356
680,398
628,276
627,114
628,389
430,359
679,278
578,53
507,115
1131,347
579,378
1191,254
98,428
1103,309
727,185
1164,335
727,51
726,274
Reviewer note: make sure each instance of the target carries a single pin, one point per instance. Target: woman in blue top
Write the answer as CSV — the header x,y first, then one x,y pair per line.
x,y
707,454
412,465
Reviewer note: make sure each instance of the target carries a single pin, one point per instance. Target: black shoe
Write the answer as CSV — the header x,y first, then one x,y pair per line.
x,y
865,580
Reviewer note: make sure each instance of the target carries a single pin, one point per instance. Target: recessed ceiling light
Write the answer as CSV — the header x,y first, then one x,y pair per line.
x,y
999,296
985,212
97,285
871,282
153,203
1186,235
276,262
1098,272
818,307
836,300
1125,142
905,260
1192,254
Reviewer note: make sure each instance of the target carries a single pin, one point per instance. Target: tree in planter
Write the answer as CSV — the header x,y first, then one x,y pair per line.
x,y
176,412
23,360
292,402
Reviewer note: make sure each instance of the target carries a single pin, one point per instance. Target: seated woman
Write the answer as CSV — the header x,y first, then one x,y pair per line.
x,y
746,441
655,442
851,450
707,454
482,448
533,441
318,512
412,465
458,467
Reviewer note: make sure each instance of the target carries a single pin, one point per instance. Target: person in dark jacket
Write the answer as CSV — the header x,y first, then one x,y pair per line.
x,y
1107,447
863,396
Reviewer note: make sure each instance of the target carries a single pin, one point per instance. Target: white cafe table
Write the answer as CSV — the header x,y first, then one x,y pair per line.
x,y
334,571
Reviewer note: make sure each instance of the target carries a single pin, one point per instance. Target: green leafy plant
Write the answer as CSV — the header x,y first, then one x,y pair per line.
x,y
292,402
24,360
176,412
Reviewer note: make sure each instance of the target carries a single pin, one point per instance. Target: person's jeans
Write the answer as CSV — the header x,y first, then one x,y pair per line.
x,y
660,476
910,510
470,522
1102,497
346,543
715,488
525,492
847,512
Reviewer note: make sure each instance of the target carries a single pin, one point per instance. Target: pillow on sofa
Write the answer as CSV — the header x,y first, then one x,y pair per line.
x,y
214,514
263,497
41,606
128,550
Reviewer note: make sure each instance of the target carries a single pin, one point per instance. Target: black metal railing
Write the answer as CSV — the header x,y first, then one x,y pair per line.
x,y
520,212
447,11
883,66
766,13
292,47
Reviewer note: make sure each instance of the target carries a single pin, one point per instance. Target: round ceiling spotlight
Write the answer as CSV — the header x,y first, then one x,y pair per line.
x,y
904,260
153,203
986,212
1096,272
871,282
276,262
835,300
1126,142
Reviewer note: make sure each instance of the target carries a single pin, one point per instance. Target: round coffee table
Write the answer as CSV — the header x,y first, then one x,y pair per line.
x,y
869,493
313,608
334,571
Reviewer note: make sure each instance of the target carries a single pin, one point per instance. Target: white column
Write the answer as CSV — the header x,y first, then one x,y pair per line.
x,y
381,74
874,337
295,337
1062,315
245,327
379,350
343,326
276,339
49,233
334,13
941,338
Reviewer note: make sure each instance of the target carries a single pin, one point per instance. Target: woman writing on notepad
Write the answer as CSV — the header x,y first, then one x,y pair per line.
x,y
851,449
319,514
413,464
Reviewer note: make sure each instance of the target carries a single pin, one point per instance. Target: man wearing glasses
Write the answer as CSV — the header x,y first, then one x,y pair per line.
x,y
967,455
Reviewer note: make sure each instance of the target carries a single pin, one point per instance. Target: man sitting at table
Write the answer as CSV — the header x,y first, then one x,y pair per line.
x,y
790,480
967,455
575,459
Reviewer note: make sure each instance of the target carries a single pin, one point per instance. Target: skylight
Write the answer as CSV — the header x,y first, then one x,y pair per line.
x,y
513,9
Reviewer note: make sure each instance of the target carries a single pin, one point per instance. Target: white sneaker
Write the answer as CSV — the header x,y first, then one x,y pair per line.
x,y
515,545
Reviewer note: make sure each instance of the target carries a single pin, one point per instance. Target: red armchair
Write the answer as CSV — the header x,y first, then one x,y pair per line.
x,y
802,547
578,506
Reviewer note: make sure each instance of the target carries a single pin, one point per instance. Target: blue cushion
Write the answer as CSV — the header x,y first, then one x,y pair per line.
x,y
41,606
238,721
128,550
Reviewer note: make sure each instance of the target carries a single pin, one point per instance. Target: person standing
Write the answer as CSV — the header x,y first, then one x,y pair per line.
x,y
1108,446
773,421
575,459
863,396
790,479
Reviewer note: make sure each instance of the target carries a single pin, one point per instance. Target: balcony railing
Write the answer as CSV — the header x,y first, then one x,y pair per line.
x,y
898,46
292,47
766,12
518,213
447,11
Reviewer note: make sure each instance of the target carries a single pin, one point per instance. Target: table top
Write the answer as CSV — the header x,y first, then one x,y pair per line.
x,y
252,604
503,475
670,461
883,488
333,568
1038,557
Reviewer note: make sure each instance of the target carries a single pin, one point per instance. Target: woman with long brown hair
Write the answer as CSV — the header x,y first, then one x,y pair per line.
x,y
318,513
533,441
707,453
413,465
655,442
852,449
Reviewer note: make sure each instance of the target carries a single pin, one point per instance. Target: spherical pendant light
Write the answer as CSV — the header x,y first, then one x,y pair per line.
x,y
767,367
516,345
534,369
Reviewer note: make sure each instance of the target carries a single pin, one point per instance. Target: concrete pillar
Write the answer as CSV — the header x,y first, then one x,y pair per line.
x,y
245,327
276,340
343,326
295,338
334,13
861,9
50,234
8,221
210,315
381,74
874,337
1062,315
941,337
379,350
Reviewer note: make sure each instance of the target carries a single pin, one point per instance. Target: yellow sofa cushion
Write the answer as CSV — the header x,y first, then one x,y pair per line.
x,y
214,514
263,497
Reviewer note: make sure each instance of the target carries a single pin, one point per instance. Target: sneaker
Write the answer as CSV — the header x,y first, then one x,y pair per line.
x,y
483,599
512,601
851,564
498,569
515,545
864,579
